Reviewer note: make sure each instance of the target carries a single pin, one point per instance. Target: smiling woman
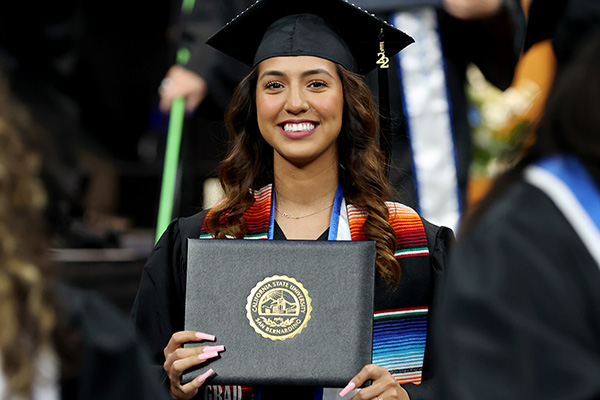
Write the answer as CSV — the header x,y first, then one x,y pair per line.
x,y
304,163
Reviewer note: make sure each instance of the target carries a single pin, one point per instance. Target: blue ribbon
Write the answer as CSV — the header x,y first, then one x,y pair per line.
x,y
336,213
573,173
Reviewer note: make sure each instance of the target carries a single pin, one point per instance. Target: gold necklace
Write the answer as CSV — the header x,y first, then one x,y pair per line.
x,y
286,215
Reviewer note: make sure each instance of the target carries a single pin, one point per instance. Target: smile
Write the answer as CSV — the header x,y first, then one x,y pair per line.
x,y
305,126
298,130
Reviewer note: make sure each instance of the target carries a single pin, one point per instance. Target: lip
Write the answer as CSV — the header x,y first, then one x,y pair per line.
x,y
298,134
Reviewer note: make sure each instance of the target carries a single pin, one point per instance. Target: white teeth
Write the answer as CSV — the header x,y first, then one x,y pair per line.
x,y
305,126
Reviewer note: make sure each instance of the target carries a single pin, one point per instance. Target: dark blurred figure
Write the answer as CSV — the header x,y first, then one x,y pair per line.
x,y
206,82
124,53
568,23
431,137
88,72
38,45
55,342
520,313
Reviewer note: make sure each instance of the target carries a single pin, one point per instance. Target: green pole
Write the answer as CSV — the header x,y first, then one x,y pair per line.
x,y
187,6
169,179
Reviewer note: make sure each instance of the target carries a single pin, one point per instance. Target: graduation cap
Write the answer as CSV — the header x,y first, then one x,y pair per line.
x,y
335,30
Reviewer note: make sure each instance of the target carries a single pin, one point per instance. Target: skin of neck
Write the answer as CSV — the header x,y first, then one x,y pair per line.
x,y
301,189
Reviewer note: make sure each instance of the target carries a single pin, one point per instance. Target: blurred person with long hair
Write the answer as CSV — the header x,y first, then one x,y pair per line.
x,y
56,342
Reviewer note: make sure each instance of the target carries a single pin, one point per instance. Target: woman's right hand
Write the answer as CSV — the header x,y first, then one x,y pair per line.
x,y
178,359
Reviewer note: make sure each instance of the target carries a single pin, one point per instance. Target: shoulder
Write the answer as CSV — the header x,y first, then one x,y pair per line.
x,y
524,211
180,229
523,228
403,218
171,248
190,227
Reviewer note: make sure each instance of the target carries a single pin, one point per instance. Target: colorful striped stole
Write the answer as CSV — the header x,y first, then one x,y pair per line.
x,y
399,338
256,217
399,335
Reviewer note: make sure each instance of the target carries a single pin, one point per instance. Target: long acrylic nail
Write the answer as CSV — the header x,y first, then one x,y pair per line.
x,y
219,348
205,336
349,387
205,375
206,356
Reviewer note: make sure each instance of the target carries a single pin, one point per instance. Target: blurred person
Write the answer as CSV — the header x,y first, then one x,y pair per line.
x,y
38,54
566,23
206,82
56,342
208,74
87,71
519,316
431,137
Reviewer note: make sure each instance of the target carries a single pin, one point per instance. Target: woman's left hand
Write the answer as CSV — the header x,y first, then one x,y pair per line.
x,y
384,385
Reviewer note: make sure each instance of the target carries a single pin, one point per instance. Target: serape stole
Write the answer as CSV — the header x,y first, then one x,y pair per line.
x,y
399,335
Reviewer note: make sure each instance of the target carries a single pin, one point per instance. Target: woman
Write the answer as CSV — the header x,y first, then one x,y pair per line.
x,y
520,316
303,138
55,342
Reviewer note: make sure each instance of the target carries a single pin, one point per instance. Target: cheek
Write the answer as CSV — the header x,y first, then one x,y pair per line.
x,y
267,105
267,109
335,108
266,114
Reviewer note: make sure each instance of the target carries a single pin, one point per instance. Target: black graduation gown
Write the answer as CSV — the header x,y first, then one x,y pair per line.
x,y
520,316
113,364
158,310
568,23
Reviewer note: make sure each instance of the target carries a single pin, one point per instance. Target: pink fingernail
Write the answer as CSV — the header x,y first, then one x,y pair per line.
x,y
205,336
349,387
206,356
205,375
214,348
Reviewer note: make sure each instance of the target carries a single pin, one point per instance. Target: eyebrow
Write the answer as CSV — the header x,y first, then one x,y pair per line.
x,y
310,72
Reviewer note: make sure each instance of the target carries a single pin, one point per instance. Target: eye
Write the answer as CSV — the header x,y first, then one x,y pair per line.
x,y
274,85
317,84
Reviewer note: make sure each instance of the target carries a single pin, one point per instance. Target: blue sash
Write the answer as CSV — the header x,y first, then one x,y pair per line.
x,y
428,111
569,185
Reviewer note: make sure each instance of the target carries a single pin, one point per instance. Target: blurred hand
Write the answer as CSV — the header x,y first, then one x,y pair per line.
x,y
472,9
181,82
178,359
384,385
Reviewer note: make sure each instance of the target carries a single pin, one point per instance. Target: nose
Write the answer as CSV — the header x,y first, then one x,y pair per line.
x,y
296,101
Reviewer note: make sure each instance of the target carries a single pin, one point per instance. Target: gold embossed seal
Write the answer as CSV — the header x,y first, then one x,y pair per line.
x,y
278,307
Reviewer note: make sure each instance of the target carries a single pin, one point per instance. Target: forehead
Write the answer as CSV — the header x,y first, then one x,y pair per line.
x,y
297,64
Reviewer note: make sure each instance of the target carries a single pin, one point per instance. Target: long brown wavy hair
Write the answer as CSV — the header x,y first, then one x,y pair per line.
x,y
27,307
249,166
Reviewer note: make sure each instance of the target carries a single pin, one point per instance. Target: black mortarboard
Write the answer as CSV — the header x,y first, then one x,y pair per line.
x,y
344,33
